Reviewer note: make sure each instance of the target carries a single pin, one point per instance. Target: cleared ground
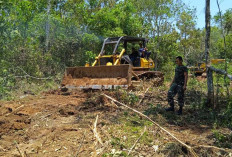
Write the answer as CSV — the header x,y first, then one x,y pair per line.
x,y
59,123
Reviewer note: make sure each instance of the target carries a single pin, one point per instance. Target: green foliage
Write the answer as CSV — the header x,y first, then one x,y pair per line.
x,y
172,149
43,38
219,79
128,98
226,20
115,21
153,109
7,82
116,141
223,52
117,153
222,140
89,56
227,115
169,69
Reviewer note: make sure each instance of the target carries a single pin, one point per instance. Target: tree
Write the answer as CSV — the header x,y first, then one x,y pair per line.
x,y
207,59
115,21
157,18
186,25
226,21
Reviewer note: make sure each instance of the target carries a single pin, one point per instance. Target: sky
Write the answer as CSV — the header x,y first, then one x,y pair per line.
x,y
200,6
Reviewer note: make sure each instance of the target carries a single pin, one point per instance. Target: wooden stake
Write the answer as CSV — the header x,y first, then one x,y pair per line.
x,y
205,146
14,110
95,131
79,148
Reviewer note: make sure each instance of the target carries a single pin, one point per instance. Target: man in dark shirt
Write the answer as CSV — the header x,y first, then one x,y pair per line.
x,y
144,52
178,85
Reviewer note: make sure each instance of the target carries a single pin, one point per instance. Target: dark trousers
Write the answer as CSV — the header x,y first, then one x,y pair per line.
x,y
176,89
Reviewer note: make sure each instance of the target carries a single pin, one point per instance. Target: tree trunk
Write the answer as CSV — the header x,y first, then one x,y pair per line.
x,y
47,26
219,71
157,46
210,98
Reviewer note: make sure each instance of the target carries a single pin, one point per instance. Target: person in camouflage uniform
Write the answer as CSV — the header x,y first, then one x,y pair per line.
x,y
178,86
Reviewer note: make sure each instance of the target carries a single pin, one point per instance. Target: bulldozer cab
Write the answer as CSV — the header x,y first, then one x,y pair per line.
x,y
116,43
118,50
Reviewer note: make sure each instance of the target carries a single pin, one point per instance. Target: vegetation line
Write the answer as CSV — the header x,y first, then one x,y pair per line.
x,y
187,146
27,75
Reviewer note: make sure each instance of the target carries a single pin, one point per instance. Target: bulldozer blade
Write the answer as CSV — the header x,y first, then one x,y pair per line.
x,y
98,77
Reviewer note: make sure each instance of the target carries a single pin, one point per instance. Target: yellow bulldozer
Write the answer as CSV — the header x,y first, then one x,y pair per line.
x,y
117,65
200,68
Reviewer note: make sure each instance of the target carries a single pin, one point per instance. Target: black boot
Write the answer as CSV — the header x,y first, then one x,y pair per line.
x,y
179,112
171,108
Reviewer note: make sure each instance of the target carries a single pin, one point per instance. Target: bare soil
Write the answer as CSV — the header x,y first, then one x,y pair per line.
x,y
59,123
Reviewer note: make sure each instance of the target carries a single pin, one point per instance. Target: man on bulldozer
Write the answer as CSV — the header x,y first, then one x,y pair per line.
x,y
144,51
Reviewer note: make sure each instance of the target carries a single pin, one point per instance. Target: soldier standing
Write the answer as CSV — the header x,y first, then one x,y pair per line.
x,y
178,86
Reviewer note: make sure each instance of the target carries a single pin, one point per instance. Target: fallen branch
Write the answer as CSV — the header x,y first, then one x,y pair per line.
x,y
26,155
21,154
214,147
37,78
143,95
115,105
2,149
137,141
187,146
106,145
219,71
95,131
27,75
14,110
79,148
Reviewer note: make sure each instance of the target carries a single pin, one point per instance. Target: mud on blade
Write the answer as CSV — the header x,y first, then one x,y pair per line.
x,y
98,77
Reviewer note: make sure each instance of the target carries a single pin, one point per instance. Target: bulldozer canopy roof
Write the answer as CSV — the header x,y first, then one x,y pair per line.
x,y
125,39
